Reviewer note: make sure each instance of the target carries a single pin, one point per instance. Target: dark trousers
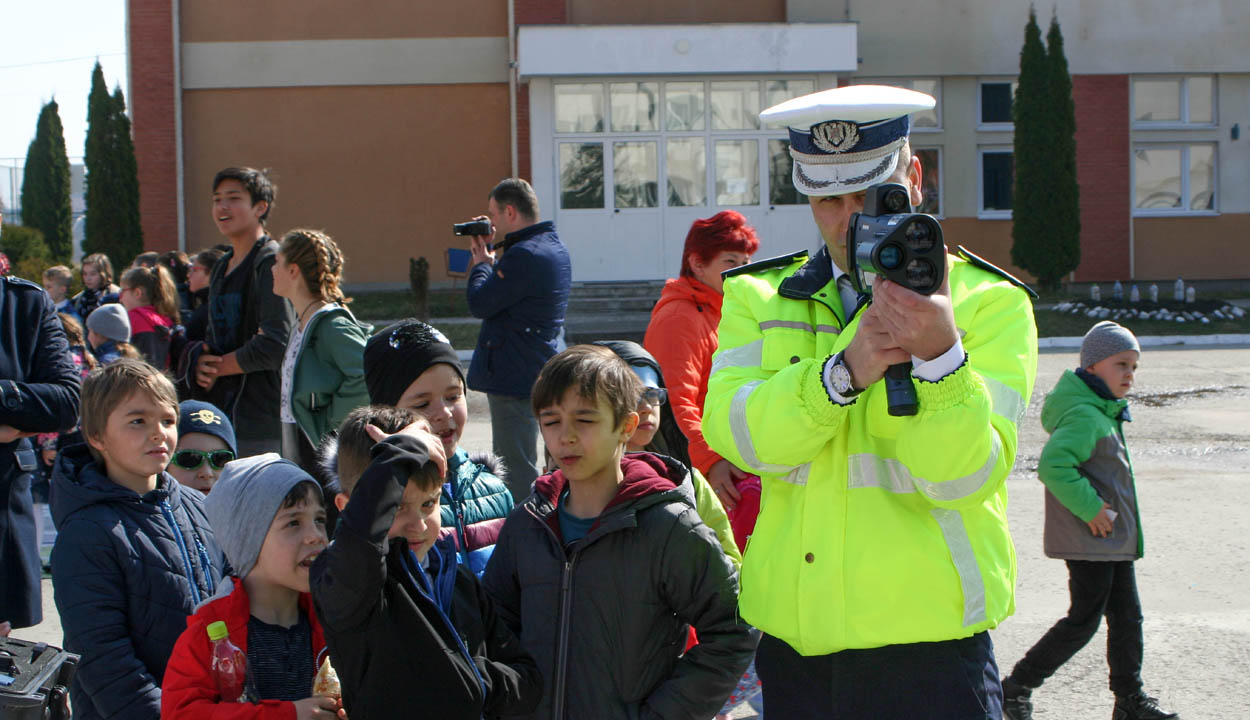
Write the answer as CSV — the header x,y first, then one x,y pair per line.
x,y
951,680
514,435
1097,589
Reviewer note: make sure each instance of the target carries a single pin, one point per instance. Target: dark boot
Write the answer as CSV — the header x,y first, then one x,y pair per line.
x,y
1139,707
1017,701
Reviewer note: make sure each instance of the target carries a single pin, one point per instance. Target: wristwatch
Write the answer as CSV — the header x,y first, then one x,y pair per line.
x,y
840,378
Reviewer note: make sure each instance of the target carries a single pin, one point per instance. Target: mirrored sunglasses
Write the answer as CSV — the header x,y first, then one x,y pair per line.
x,y
193,459
654,397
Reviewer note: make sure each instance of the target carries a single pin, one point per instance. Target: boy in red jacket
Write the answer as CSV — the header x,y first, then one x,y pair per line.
x,y
272,521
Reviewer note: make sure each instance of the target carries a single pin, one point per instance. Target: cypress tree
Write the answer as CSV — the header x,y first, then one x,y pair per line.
x,y
45,185
1065,211
1034,134
112,195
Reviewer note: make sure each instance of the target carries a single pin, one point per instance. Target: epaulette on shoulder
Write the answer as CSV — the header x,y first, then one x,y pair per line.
x,y
769,264
22,283
988,266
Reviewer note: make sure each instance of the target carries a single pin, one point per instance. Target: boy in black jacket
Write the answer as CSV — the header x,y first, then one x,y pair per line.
x,y
602,569
409,630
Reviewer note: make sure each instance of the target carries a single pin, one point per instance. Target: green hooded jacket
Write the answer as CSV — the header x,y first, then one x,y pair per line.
x,y
329,374
1084,464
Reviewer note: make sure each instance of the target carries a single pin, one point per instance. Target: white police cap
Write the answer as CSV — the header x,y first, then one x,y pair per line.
x,y
846,139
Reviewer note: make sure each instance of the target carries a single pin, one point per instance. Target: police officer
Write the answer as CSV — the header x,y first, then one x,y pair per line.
x,y
39,387
881,557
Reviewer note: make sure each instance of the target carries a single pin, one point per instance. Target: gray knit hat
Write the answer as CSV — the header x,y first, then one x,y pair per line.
x,y
1104,340
245,500
110,320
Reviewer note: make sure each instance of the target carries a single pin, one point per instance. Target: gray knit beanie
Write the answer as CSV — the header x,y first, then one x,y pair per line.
x,y
245,500
110,320
1104,340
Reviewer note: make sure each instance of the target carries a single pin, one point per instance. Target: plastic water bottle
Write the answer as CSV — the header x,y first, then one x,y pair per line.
x,y
1117,291
1095,293
1134,295
1190,294
229,666
1154,293
1178,290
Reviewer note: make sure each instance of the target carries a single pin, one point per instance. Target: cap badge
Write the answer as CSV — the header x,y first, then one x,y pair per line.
x,y
205,417
836,136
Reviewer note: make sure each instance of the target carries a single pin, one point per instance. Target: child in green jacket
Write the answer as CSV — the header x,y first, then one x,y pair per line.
x,y
1092,523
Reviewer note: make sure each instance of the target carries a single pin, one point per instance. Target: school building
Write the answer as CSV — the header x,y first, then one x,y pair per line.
x,y
385,121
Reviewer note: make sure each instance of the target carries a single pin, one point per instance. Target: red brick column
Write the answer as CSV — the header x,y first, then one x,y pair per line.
x,y
152,106
532,12
1103,153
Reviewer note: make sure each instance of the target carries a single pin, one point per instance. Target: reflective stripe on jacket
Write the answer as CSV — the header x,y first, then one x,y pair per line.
x,y
874,530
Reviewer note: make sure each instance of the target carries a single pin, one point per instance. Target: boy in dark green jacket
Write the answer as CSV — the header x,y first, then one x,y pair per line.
x,y
1092,523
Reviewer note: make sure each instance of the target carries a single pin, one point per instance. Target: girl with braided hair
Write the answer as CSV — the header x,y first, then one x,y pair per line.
x,y
323,375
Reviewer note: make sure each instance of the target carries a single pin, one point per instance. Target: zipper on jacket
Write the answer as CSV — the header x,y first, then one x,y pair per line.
x,y
429,595
562,647
168,512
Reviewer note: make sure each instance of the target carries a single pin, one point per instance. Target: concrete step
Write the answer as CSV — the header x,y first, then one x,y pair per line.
x,y
597,305
648,289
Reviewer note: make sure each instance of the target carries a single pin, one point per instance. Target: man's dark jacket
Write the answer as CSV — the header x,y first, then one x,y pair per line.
x,y
397,654
123,568
521,300
606,616
252,399
39,386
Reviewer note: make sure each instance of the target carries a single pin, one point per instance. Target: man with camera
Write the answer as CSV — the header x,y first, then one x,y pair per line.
x,y
519,287
881,557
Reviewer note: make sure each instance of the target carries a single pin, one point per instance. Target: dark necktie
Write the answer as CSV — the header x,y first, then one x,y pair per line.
x,y
846,292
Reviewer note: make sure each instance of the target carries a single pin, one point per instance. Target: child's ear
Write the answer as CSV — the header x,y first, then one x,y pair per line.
x,y
340,501
95,442
628,426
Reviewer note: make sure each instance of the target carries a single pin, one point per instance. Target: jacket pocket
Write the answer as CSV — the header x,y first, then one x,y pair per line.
x,y
786,343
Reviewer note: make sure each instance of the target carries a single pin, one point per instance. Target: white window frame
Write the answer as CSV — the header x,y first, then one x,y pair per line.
x,y
607,136
1183,88
909,83
993,214
1184,210
1000,126
941,171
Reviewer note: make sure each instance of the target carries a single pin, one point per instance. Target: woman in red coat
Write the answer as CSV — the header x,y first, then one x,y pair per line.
x,y
682,338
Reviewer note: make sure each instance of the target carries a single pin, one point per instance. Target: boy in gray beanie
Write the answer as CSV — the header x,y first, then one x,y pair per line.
x,y
108,333
1094,524
271,521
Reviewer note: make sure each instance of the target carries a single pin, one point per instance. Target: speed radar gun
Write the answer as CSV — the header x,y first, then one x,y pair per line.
x,y
888,239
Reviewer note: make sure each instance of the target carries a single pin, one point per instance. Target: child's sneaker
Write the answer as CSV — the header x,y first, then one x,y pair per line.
x,y
1017,702
1140,706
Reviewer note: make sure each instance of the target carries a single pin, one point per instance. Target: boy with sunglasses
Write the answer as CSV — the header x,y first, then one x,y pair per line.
x,y
205,444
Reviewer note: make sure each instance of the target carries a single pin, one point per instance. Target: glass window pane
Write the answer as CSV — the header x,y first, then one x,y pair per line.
x,y
683,106
1201,177
635,174
735,105
581,175
1157,100
931,175
780,180
737,172
634,106
928,118
779,91
1157,178
996,102
579,108
1201,99
687,171
996,179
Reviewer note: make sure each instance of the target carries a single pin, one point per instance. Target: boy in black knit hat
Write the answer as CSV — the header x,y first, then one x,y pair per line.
x,y
412,365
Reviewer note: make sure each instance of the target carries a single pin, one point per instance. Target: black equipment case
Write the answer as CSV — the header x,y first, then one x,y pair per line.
x,y
34,680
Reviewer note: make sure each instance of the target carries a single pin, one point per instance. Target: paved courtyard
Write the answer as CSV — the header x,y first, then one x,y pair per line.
x,y
1190,442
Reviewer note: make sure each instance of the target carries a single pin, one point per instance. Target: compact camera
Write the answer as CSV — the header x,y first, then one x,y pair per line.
x,y
472,227
889,239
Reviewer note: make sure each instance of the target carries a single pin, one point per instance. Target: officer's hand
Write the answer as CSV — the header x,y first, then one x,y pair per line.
x,y
1101,525
480,246
923,325
872,350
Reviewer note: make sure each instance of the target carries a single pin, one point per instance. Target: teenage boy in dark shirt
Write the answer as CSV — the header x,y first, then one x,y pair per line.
x,y
248,325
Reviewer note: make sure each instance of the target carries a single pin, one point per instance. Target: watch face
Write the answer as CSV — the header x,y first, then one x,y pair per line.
x,y
841,378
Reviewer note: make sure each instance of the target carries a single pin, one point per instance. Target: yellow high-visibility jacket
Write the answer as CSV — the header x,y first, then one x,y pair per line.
x,y
873,530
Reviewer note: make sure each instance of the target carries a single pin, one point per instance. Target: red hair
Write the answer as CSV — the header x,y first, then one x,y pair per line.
x,y
726,231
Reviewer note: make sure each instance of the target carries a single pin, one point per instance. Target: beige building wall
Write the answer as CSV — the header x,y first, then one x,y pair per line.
x,y
385,170
1207,248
